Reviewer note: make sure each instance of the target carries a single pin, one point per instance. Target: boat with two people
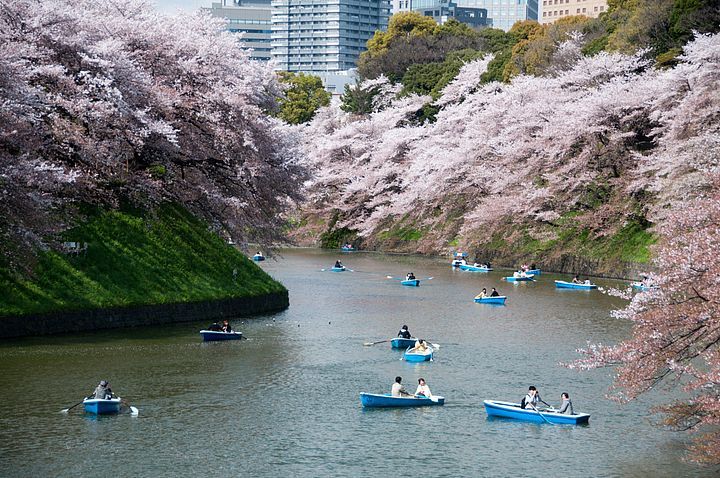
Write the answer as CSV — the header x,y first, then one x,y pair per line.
x,y
217,332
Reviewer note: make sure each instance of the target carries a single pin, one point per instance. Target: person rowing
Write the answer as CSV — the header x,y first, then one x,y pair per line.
x,y
102,391
398,390
420,346
404,332
494,293
338,265
226,326
532,399
482,294
410,276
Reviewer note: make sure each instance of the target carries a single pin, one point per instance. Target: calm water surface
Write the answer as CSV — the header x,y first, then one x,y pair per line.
x,y
285,402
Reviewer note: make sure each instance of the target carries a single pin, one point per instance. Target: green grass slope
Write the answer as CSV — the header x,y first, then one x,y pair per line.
x,y
133,260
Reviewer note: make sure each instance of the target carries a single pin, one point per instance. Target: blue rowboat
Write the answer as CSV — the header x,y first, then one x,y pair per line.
x,y
535,272
520,279
338,269
561,284
456,263
496,408
401,343
469,268
347,249
258,258
101,406
642,287
411,355
213,335
411,282
376,400
491,300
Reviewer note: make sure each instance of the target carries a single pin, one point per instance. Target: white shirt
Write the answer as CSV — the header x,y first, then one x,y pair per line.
x,y
423,390
397,390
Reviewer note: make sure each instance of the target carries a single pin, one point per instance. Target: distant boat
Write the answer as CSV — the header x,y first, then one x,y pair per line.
x,y
338,269
375,400
347,249
216,335
491,300
561,284
258,257
102,406
642,287
401,343
496,408
469,268
460,254
411,282
526,278
412,355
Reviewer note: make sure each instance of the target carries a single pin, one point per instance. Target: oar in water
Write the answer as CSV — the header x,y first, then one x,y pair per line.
x,y
65,410
541,415
367,344
133,411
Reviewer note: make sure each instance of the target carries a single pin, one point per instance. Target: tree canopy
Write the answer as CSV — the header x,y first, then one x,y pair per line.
x,y
302,98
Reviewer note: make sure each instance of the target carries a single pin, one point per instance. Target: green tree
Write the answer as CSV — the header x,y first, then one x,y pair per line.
x,y
358,100
431,78
304,96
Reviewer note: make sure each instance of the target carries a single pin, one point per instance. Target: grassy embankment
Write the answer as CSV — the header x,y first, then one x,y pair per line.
x,y
134,260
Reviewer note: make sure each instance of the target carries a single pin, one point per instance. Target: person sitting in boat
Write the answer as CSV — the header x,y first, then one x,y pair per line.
x,y
226,326
338,265
524,268
533,267
404,332
494,293
587,282
102,391
576,280
516,274
532,399
566,406
420,346
482,294
215,327
398,390
422,389
410,276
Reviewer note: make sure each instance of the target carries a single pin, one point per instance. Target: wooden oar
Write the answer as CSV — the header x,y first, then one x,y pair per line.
x,y
65,410
367,344
541,415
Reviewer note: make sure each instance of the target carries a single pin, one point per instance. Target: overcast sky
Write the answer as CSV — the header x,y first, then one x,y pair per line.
x,y
171,6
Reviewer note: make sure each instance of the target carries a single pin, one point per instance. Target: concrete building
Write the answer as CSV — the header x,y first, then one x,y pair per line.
x,y
252,19
324,37
552,10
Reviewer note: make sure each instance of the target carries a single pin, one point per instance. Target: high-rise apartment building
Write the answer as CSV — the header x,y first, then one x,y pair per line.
x,y
555,9
252,19
324,36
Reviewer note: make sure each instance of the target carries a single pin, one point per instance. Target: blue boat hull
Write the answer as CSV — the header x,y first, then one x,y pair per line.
x,y
519,279
496,408
374,400
102,407
469,268
400,343
338,269
491,300
257,258
535,272
561,284
415,357
643,288
411,283
213,336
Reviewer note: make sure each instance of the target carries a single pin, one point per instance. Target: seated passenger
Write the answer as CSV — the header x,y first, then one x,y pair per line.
x,y
226,326
576,280
215,327
494,293
423,389
420,346
404,332
566,406
482,294
338,264
410,276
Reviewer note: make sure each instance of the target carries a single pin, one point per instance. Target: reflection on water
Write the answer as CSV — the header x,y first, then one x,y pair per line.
x,y
287,400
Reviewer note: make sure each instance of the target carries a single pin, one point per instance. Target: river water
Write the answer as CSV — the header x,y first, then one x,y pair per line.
x,y
285,402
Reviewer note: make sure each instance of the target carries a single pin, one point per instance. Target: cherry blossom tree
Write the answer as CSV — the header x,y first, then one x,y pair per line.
x,y
104,102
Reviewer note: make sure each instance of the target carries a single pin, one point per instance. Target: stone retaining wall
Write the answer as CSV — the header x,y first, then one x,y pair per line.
x,y
111,318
